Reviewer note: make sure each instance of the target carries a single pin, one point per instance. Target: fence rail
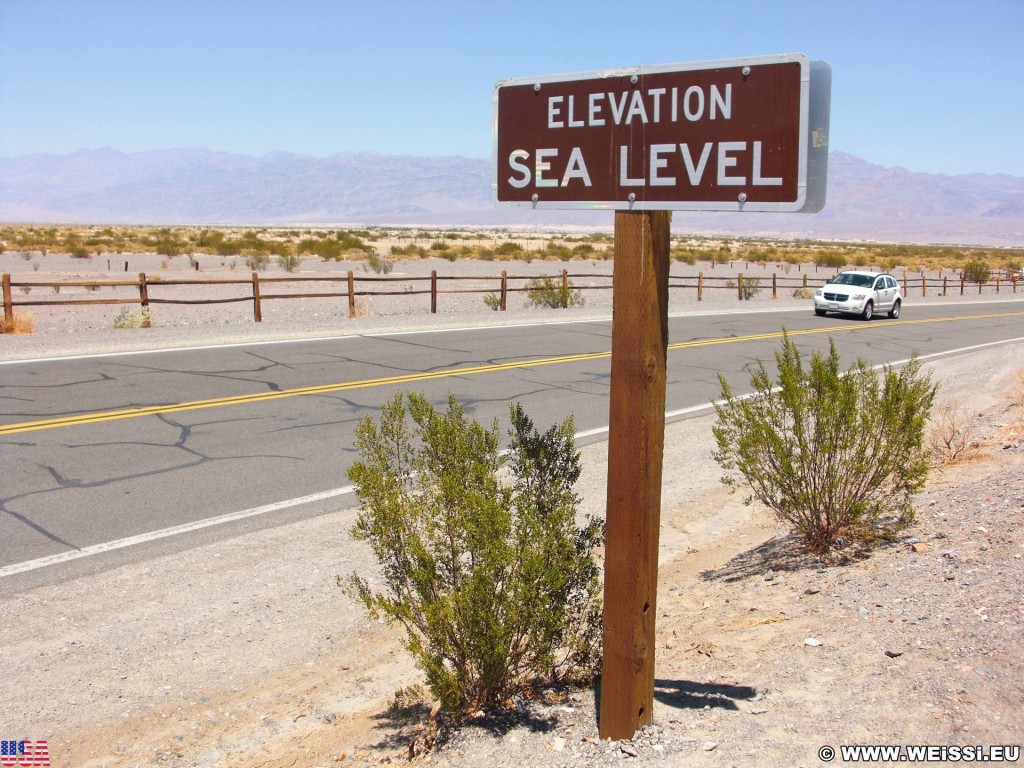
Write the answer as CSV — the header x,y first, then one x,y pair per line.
x,y
501,286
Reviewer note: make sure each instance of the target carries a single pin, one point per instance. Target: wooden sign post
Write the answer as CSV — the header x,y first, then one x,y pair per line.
x,y
732,135
636,440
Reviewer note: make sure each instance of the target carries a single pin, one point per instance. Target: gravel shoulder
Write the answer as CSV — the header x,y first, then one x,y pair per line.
x,y
244,652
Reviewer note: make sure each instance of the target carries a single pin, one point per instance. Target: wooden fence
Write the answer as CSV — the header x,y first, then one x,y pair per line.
x,y
345,287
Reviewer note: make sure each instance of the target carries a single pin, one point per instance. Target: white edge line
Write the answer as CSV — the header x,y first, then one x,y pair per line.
x,y
96,549
143,538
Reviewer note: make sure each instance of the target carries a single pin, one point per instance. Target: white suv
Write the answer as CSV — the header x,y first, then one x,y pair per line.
x,y
859,293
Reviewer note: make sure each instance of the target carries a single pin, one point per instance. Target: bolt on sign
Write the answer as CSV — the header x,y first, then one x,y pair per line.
x,y
732,135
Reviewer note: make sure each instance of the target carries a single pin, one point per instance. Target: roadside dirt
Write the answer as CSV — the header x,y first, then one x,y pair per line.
x,y
245,653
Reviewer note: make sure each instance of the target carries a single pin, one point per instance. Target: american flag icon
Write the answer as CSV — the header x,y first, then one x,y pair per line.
x,y
24,753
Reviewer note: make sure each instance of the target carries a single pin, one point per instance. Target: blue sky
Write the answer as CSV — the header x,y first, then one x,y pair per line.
x,y
929,85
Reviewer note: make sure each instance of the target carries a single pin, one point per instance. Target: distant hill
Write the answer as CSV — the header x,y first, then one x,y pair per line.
x,y
199,186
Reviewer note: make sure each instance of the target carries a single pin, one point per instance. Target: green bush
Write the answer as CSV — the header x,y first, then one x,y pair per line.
x,y
257,261
549,292
508,248
830,259
977,271
289,262
828,453
493,582
379,264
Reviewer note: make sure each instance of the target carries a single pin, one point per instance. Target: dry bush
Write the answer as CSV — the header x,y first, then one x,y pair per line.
x,y
22,323
138,317
952,435
362,308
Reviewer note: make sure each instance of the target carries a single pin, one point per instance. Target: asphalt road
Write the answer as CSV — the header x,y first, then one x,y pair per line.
x,y
121,448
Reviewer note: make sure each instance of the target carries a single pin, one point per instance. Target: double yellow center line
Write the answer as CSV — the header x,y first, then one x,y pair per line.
x,y
324,389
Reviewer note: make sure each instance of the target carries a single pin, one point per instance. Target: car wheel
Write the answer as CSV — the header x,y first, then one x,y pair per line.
x,y
869,311
895,311
819,312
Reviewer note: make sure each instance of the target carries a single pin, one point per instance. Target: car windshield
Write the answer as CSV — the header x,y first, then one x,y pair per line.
x,y
849,278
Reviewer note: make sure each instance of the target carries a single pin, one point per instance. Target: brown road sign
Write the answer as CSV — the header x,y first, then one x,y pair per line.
x,y
731,135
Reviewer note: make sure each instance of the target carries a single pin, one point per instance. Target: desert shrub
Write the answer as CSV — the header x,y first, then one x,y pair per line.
x,y
21,323
352,241
362,308
549,292
508,248
493,582
257,261
751,286
803,292
139,317
830,259
493,301
289,262
553,250
169,244
327,250
977,271
414,251
829,453
952,434
379,264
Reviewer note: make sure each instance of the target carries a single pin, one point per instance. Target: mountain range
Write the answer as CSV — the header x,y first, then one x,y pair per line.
x,y
205,187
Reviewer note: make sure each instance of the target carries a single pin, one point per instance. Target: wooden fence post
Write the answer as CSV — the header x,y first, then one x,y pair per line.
x,y
8,301
944,284
433,291
257,307
775,288
906,289
504,290
351,294
739,286
700,286
961,283
565,288
924,285
143,290
805,279
997,284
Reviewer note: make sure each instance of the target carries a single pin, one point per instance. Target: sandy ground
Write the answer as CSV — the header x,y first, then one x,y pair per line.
x,y
243,652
